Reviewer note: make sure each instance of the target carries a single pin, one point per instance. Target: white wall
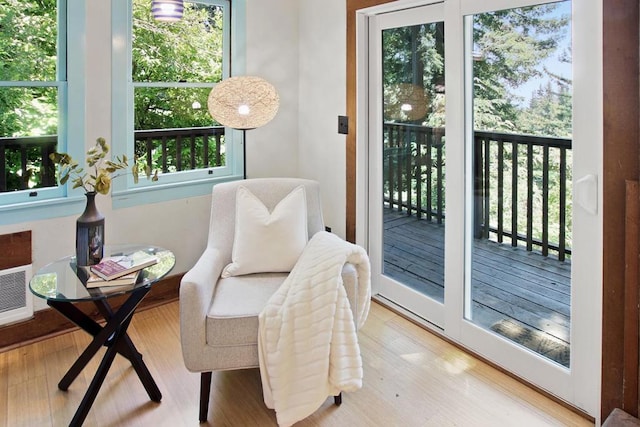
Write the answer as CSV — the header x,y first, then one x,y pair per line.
x,y
322,44
296,143
272,53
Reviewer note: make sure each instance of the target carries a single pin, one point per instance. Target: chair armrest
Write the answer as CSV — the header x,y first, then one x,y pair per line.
x,y
196,293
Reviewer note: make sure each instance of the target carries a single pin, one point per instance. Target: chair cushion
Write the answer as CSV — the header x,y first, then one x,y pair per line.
x,y
237,302
267,241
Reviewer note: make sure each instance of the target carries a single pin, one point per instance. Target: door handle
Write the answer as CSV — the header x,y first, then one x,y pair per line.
x,y
586,193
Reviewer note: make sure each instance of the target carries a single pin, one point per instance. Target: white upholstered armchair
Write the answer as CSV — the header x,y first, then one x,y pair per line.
x,y
219,316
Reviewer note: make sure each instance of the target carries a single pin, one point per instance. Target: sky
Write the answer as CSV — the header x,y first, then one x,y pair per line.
x,y
552,64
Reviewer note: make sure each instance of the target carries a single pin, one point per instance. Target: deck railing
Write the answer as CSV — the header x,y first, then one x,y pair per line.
x,y
412,151
521,184
32,153
168,150
173,150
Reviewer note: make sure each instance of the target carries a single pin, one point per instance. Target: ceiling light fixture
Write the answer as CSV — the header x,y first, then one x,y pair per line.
x,y
167,10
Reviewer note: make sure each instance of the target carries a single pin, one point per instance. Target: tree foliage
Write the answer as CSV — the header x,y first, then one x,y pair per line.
x,y
166,59
509,47
28,39
187,51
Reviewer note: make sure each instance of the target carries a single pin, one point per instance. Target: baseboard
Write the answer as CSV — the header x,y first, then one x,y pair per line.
x,y
48,322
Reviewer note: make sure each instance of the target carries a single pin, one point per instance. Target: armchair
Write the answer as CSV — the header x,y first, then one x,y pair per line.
x,y
219,316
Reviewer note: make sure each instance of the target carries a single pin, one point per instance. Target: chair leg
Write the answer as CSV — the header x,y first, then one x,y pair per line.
x,y
205,391
338,399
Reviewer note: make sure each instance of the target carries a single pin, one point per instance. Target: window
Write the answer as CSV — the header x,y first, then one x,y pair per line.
x,y
33,93
168,70
41,103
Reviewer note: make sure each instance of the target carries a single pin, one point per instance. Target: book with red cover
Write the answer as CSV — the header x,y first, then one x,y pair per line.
x,y
114,267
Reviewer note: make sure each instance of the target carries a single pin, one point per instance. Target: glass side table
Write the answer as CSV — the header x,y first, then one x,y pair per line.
x,y
62,284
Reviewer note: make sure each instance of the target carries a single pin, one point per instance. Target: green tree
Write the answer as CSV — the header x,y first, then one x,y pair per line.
x,y
187,51
509,46
413,71
28,52
549,112
166,59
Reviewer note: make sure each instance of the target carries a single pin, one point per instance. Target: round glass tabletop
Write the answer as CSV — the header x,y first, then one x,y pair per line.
x,y
63,280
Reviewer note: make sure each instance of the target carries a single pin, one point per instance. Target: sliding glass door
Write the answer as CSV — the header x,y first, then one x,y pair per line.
x,y
476,148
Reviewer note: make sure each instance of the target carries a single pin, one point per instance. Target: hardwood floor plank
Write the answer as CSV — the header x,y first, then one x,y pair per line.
x,y
4,388
61,353
412,378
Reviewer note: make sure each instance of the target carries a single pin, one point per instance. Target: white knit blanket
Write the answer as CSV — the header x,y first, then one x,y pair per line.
x,y
307,341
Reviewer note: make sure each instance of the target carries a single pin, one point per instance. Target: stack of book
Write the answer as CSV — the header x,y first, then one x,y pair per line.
x,y
119,270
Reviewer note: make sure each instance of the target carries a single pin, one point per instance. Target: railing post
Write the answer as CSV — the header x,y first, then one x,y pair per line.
x,y
205,150
164,154
429,177
47,173
420,137
529,196
149,148
514,194
409,160
3,169
440,182
545,200
563,205
486,188
401,157
477,187
192,151
391,158
179,152
500,231
218,149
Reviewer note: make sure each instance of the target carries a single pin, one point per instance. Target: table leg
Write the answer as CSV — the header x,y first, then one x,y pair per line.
x,y
72,313
98,379
126,348
114,336
101,334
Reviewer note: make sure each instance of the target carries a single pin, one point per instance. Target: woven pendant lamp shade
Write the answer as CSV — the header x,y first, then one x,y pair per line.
x,y
406,101
244,102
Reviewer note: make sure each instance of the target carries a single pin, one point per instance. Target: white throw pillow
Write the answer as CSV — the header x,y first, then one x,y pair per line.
x,y
267,242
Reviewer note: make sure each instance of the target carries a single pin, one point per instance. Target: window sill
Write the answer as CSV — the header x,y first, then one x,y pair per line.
x,y
157,193
41,210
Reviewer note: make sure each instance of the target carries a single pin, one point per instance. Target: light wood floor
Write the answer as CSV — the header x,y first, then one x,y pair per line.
x,y
412,378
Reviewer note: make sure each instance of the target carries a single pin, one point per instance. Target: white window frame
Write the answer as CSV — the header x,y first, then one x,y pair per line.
x,y
176,185
42,203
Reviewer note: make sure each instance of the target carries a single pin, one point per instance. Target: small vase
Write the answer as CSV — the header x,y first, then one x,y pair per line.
x,y
89,234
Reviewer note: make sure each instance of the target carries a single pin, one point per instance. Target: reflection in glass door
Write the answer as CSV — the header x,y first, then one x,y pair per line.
x,y
521,171
413,157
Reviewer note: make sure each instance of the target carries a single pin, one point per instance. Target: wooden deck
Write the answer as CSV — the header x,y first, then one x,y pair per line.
x,y
521,295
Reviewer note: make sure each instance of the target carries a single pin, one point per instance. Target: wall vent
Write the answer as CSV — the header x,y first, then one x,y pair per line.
x,y
16,302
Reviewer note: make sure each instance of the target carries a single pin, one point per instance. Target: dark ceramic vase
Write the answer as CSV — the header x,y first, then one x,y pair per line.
x,y
89,234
